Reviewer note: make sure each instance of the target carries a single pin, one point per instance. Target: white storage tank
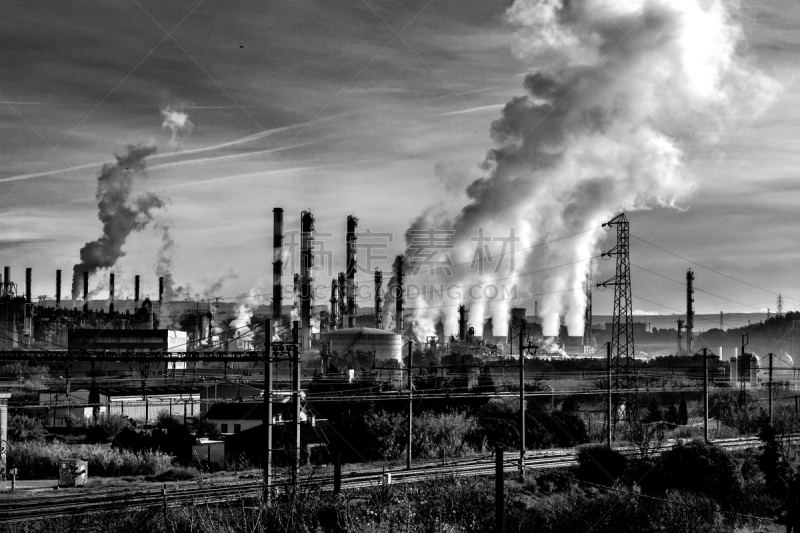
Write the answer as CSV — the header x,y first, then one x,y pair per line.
x,y
386,344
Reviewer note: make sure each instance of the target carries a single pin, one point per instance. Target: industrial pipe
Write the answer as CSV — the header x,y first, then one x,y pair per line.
x,y
277,265
111,293
352,224
333,324
378,299
462,323
136,292
399,276
58,288
85,291
306,264
28,275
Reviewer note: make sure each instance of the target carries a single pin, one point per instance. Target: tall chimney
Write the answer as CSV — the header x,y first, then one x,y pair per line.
x,y
689,310
342,299
587,314
462,323
160,291
277,265
58,288
111,293
28,297
306,264
352,223
136,292
378,299
85,291
399,276
333,323
680,337
6,281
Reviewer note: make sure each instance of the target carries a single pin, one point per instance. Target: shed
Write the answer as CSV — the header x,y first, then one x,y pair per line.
x,y
210,451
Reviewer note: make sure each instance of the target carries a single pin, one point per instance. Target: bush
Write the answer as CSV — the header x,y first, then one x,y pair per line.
x,y
106,428
177,473
22,428
385,434
600,464
40,461
699,468
449,431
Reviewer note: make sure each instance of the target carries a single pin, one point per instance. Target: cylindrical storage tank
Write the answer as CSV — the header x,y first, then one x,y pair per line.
x,y
386,344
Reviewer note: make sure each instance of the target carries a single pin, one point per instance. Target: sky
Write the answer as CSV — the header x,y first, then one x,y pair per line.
x,y
380,109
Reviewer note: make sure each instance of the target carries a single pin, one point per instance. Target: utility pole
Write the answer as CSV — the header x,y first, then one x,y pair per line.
x,y
705,394
296,402
771,355
410,405
523,347
499,493
522,328
744,371
267,411
608,399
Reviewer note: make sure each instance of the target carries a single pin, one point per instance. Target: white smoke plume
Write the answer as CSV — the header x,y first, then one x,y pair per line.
x,y
618,93
177,121
244,312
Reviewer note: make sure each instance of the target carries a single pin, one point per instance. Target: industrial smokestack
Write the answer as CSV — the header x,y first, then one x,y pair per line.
x,y
333,324
689,310
160,291
111,293
6,281
58,288
277,264
136,292
306,264
587,314
85,291
462,323
399,276
378,299
28,297
342,299
352,223
680,337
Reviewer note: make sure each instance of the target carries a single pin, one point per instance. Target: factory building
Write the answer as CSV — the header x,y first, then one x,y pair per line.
x,y
84,404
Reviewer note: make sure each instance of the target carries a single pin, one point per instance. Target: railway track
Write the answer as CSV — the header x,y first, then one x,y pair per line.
x,y
38,508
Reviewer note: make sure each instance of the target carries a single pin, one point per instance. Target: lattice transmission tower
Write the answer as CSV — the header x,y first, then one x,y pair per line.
x,y
622,348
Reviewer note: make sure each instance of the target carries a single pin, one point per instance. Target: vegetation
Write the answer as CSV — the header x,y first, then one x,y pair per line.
x,y
38,460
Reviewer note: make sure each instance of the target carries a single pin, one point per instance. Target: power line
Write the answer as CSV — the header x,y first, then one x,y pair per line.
x,y
708,268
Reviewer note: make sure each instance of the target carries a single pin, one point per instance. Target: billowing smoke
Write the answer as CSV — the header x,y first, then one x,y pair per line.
x,y
177,121
174,292
617,95
240,326
166,254
119,214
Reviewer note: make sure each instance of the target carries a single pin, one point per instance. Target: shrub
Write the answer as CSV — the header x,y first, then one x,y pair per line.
x,y
385,434
600,464
22,428
40,461
177,473
449,431
106,428
700,468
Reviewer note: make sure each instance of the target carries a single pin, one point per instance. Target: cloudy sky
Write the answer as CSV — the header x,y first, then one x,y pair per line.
x,y
374,108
